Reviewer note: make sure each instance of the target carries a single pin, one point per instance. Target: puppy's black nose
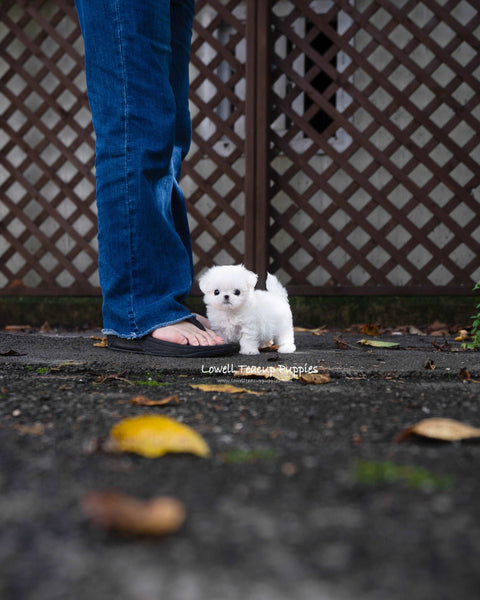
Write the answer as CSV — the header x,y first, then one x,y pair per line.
x,y
226,296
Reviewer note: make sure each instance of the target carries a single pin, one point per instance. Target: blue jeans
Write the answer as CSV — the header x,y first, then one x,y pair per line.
x,y
136,61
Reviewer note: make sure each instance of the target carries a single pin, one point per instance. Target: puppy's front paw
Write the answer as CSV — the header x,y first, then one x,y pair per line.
x,y
249,350
287,349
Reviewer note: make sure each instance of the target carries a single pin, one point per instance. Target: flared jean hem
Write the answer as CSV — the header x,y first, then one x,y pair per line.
x,y
134,336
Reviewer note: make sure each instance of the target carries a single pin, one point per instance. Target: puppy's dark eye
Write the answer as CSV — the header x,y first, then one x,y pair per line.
x,y
216,292
236,292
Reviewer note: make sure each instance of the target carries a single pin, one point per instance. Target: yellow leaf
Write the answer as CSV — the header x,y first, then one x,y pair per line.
x,y
224,387
122,513
462,336
378,344
155,435
101,341
280,373
446,430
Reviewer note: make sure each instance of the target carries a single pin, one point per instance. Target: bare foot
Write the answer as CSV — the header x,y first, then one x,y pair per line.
x,y
186,333
203,320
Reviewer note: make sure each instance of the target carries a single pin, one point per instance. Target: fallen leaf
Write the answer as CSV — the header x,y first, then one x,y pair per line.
x,y
70,363
125,514
412,330
378,344
223,387
117,376
446,430
280,373
144,401
18,327
270,347
445,347
155,435
341,343
438,329
45,328
315,331
429,365
102,343
369,329
465,375
316,378
34,429
462,336
11,353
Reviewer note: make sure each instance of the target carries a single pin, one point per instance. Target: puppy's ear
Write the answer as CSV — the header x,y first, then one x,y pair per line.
x,y
203,283
251,279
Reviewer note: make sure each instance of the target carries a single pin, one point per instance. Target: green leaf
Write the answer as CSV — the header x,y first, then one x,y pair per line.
x,y
378,344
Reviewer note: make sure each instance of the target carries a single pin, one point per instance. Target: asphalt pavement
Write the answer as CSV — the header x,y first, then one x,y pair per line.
x,y
307,495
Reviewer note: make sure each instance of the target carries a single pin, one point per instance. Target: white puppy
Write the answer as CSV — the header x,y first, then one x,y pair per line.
x,y
239,313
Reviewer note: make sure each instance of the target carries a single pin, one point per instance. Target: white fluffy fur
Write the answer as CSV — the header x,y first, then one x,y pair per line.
x,y
239,313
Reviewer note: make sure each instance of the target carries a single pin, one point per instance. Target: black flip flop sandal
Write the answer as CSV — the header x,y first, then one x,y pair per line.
x,y
151,346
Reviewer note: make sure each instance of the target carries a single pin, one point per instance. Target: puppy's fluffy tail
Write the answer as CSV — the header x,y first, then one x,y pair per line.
x,y
275,287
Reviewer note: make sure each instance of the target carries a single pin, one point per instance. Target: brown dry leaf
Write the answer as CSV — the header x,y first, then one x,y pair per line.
x,y
446,430
144,401
155,435
445,347
223,387
125,514
369,329
341,343
45,328
18,327
465,375
316,378
280,373
429,365
34,429
116,376
269,347
315,331
438,329
101,343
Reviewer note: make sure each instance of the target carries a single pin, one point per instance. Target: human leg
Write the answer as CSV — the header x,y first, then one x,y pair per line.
x,y
181,20
144,260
